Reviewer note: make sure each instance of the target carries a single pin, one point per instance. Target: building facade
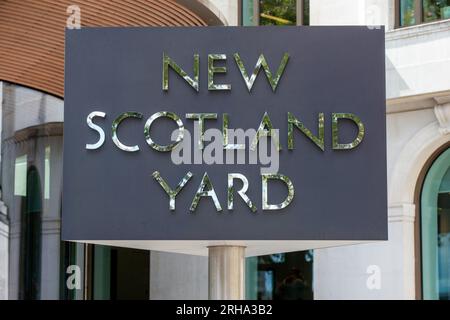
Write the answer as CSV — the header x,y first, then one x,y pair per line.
x,y
413,264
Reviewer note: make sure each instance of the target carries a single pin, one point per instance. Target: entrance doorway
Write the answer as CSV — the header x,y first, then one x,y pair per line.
x,y
108,273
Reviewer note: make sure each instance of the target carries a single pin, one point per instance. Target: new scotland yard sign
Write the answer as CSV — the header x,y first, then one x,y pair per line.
x,y
271,133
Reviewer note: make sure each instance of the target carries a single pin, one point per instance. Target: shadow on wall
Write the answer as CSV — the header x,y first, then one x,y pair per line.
x,y
395,84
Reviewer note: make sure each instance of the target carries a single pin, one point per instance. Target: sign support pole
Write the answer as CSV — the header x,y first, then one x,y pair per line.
x,y
226,272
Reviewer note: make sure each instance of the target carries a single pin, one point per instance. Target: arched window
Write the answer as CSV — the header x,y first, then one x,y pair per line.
x,y
435,230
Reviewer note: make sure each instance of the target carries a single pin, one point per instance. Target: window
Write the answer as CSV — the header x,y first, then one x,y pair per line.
x,y
282,276
31,178
277,12
274,12
118,273
435,230
436,10
72,270
407,13
411,12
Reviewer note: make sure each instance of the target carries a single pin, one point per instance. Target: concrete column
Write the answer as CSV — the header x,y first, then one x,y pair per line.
x,y
175,276
226,272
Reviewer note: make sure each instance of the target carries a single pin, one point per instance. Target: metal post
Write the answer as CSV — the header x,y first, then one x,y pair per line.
x,y
226,272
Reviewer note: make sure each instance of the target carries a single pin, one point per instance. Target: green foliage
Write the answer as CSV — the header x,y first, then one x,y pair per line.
x,y
432,9
284,9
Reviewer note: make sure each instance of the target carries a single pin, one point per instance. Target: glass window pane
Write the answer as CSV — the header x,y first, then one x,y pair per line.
x,y
20,176
436,10
248,13
120,273
444,237
435,225
407,13
277,12
72,271
31,220
282,276
306,12
102,272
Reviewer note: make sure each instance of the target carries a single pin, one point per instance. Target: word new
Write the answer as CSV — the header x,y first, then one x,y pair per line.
x,y
212,69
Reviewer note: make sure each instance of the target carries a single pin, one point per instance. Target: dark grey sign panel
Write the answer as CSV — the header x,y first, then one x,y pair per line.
x,y
110,194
